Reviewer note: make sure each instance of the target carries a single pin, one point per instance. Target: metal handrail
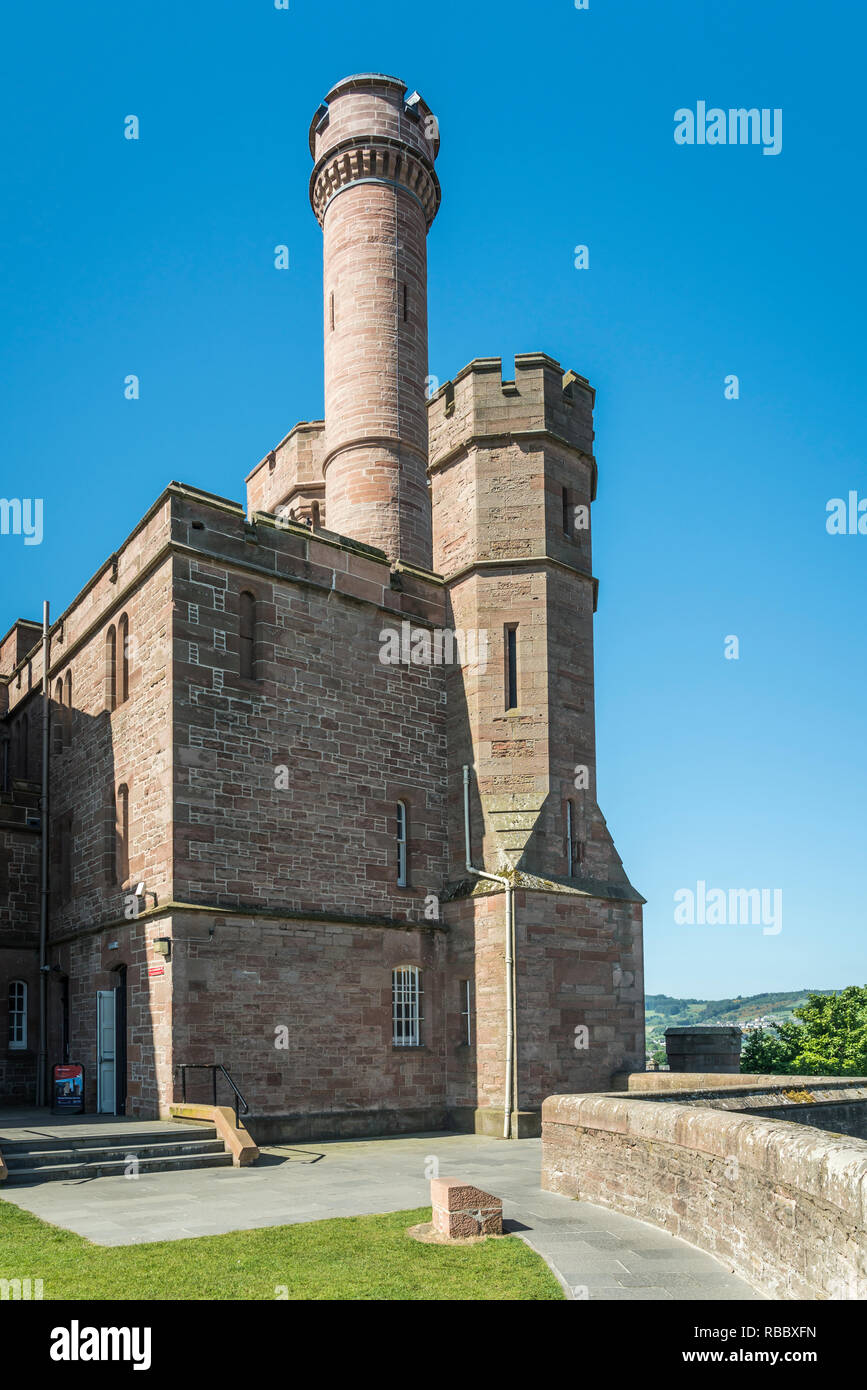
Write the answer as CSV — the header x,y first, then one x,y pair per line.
x,y
213,1068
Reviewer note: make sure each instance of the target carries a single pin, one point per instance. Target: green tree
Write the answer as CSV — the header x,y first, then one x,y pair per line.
x,y
764,1053
830,1038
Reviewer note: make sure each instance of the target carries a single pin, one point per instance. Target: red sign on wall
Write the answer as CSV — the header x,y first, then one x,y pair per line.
x,y
156,970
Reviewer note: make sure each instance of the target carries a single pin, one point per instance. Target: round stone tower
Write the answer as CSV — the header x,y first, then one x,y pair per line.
x,y
375,193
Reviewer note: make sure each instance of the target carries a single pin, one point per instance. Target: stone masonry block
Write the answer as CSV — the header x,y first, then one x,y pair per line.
x,y
460,1210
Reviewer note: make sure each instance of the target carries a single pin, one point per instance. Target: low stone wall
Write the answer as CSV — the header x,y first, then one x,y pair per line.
x,y
783,1207
837,1104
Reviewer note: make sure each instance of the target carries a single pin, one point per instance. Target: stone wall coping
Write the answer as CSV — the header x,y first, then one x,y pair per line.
x,y
833,1170
697,1082
693,1029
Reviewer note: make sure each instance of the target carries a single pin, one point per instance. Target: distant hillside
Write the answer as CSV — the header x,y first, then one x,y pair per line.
x,y
663,1011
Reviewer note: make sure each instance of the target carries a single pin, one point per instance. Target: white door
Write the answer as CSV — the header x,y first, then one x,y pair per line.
x,y
105,1051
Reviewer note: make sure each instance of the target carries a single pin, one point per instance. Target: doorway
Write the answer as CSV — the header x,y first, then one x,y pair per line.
x,y
111,1047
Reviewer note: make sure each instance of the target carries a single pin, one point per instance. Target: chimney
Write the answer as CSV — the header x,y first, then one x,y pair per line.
x,y
375,193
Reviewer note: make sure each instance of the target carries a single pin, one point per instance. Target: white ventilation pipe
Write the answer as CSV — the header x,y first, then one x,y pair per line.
x,y
510,940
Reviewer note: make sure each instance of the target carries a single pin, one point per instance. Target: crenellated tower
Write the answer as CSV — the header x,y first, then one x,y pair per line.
x,y
513,479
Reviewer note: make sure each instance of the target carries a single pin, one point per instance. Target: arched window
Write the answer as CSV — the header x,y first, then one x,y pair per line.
x,y
57,729
401,845
247,634
123,658
110,669
121,834
406,1016
67,712
17,1015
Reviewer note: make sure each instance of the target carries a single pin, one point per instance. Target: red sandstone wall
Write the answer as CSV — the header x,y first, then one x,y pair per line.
x,y
329,986
355,735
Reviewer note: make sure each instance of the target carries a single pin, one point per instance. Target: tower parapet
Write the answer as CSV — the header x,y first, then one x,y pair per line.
x,y
541,398
290,476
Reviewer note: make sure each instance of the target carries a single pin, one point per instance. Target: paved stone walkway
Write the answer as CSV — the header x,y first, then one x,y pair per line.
x,y
596,1253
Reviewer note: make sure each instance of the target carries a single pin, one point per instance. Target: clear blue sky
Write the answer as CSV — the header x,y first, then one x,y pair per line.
x,y
156,258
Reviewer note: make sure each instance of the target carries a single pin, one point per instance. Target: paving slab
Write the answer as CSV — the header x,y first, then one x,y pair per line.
x,y
620,1257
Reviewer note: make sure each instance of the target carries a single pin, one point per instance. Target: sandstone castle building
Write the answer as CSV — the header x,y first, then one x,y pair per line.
x,y
295,826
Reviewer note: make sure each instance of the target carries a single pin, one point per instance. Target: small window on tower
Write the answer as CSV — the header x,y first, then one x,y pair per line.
x,y
511,644
570,839
567,529
466,1012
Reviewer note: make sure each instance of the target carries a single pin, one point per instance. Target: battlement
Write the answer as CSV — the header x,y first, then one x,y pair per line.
x,y
291,474
478,403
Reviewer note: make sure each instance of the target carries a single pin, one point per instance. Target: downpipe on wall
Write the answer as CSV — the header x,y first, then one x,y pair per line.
x,y
42,1055
510,958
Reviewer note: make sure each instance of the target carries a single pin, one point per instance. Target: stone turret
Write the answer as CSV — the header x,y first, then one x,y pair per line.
x,y
375,193
513,478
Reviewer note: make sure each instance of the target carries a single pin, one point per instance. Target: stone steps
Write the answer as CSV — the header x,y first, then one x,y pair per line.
x,y
97,1156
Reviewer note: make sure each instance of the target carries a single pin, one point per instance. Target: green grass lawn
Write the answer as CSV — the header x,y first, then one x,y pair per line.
x,y
359,1257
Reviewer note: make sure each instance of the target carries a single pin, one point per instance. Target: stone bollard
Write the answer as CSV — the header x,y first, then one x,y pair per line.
x,y
460,1210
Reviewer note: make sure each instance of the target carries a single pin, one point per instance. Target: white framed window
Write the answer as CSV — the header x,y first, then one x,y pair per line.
x,y
17,1015
406,1015
401,845
466,1012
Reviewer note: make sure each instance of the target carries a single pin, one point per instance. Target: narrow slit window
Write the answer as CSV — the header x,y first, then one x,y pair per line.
x,y
512,667
570,839
67,713
122,834
567,529
406,1017
57,731
247,639
17,1015
22,744
466,1012
110,669
64,855
123,659
401,845
331,310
